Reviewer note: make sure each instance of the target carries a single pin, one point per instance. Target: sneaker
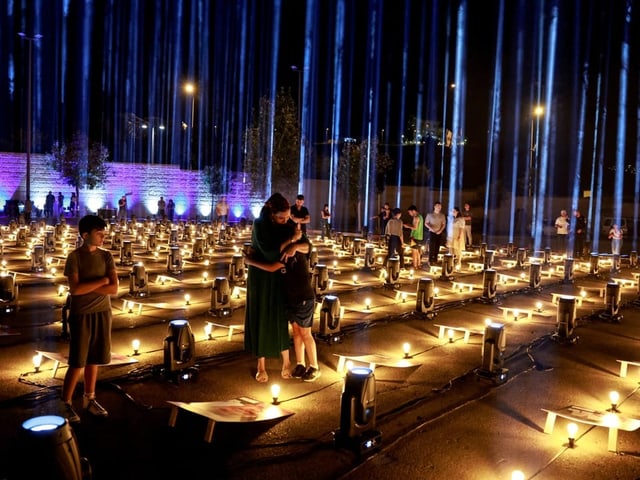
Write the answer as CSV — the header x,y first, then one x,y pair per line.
x,y
311,375
92,406
299,371
69,413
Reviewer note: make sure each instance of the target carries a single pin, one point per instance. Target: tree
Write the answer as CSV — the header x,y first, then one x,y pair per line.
x,y
82,164
277,140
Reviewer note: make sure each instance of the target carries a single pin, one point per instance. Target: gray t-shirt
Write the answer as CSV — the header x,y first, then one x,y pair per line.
x,y
89,266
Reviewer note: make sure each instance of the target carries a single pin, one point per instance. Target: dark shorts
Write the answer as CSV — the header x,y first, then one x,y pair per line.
x,y
90,339
416,243
301,313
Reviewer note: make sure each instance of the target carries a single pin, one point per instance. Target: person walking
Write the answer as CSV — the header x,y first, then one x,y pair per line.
x,y
325,219
615,235
92,277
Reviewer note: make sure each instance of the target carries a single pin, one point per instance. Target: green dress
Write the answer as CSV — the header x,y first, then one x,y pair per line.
x,y
266,332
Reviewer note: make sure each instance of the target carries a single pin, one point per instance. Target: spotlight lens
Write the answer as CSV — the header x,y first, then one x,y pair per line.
x,y
43,423
364,371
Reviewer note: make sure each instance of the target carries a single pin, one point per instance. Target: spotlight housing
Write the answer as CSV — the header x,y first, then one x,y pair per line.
x,y
179,348
568,270
493,346
330,313
220,298
138,281
358,413
521,257
535,275
425,297
489,282
566,320
612,296
447,267
320,278
237,269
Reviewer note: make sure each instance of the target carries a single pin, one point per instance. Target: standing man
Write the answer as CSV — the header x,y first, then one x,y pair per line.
x,y
92,277
580,231
416,235
435,222
300,214
162,205
395,245
222,211
466,215
48,205
562,231
60,204
122,207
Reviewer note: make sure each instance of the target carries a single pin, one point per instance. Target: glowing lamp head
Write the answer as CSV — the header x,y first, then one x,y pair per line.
x,y
406,348
367,303
450,335
187,298
37,361
539,306
517,475
208,329
275,393
135,344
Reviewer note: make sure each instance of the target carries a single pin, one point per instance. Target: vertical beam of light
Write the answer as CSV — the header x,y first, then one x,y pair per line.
x,y
515,216
576,163
371,105
338,49
597,159
543,182
421,117
309,33
636,197
621,130
455,183
494,120
434,97
273,87
445,101
406,44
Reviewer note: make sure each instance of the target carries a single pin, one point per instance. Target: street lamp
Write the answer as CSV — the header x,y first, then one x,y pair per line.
x,y
538,111
24,36
190,89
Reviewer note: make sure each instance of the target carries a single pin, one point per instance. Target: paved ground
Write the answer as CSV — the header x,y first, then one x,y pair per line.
x,y
437,418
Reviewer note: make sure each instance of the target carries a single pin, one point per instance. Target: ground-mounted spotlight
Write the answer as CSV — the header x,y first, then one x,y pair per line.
x,y
50,241
615,263
330,316
197,250
612,297
126,253
173,236
116,240
521,258
425,298
565,320
58,231
347,243
152,242
174,260
546,256
21,237
510,250
358,413
220,298
488,259
339,236
483,250
447,267
320,279
594,265
237,269
568,270
138,281
633,259
489,284
179,349
535,275
493,346
393,271
313,259
358,245
50,440
369,257
38,260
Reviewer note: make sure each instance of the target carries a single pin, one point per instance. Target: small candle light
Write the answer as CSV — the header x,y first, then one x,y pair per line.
x,y
517,475
516,314
208,328
187,298
450,335
53,271
135,344
349,365
404,297
355,279
37,361
275,393
436,291
572,428
205,276
411,272
406,348
522,276
487,322
367,303
539,306
614,397
583,293
61,290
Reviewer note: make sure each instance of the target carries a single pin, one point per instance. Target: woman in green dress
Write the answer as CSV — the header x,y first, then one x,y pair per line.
x,y
266,332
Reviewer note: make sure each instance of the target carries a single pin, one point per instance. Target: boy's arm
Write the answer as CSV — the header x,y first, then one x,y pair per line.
x,y
269,267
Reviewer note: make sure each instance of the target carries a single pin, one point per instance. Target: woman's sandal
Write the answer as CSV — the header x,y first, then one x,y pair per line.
x,y
262,377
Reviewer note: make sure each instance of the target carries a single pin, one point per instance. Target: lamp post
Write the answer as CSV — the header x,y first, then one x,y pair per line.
x,y
29,126
538,111
190,89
